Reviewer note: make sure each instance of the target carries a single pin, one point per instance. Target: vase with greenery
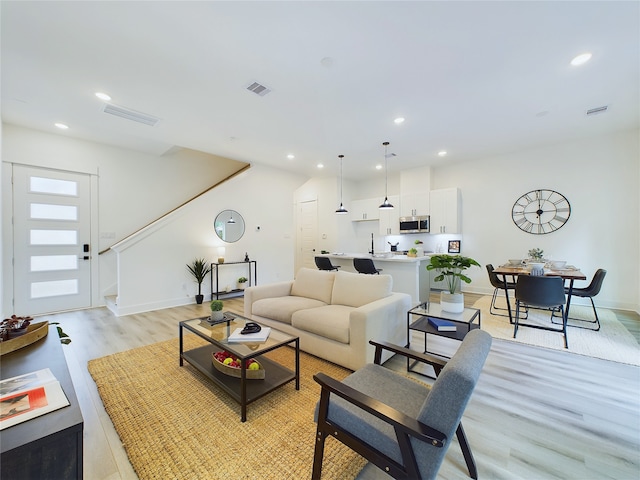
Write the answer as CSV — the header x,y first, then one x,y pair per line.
x,y
242,282
450,269
536,255
412,252
216,309
199,268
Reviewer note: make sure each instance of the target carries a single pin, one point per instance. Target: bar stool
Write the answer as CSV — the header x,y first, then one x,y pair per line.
x,y
324,263
365,265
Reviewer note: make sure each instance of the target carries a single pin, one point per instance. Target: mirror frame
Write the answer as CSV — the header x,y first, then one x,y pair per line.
x,y
222,220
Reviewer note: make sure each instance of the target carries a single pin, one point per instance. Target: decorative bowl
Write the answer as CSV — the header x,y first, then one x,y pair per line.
x,y
235,371
515,262
535,266
557,264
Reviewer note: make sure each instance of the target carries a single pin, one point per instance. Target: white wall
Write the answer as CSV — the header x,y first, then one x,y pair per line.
x,y
599,176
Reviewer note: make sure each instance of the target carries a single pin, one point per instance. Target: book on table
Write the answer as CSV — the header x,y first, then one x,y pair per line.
x,y
260,336
442,325
28,396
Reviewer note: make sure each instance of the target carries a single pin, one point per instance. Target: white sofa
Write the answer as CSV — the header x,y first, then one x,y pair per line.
x,y
335,314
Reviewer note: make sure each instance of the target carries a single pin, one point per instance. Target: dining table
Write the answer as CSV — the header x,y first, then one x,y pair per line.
x,y
568,273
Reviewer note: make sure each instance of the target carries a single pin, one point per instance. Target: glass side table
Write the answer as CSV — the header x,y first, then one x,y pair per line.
x,y
418,321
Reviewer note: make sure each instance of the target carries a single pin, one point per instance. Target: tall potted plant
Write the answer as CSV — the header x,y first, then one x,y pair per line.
x,y
450,269
199,268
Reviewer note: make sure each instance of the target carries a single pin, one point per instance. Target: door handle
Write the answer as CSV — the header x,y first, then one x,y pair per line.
x,y
86,257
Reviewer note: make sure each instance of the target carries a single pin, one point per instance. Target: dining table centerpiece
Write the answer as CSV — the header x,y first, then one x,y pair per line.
x,y
450,269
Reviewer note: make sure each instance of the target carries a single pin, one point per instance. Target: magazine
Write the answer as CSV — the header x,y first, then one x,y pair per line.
x,y
28,396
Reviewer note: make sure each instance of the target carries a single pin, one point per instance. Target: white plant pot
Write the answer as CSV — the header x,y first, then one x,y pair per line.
x,y
218,315
241,286
452,302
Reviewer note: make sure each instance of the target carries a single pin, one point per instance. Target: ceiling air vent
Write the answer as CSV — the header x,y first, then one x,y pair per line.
x,y
597,110
258,89
130,114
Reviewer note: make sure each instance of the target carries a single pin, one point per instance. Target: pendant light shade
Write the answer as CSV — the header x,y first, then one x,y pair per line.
x,y
386,205
341,210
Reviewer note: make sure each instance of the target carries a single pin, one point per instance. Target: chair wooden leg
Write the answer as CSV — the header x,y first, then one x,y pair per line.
x,y
318,455
466,452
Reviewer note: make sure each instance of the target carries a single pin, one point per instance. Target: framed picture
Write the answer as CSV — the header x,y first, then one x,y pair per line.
x,y
454,246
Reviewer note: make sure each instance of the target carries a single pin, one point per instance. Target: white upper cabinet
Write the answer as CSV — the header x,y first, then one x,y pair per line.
x,y
412,204
445,210
390,219
364,210
415,184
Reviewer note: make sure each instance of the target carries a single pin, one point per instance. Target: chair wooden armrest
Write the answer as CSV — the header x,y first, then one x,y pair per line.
x,y
437,363
396,418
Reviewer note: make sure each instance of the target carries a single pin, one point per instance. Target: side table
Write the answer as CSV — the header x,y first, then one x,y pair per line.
x,y
252,276
418,321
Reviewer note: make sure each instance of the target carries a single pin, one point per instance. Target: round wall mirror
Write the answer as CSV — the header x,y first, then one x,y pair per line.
x,y
229,226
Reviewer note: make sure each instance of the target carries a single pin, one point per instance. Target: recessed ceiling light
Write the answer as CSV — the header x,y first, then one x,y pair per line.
x,y
580,59
103,96
442,153
291,156
378,167
61,126
398,120
320,165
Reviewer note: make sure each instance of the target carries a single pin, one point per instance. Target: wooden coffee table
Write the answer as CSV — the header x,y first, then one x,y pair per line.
x,y
243,390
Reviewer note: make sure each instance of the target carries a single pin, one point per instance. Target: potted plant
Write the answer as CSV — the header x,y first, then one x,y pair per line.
x,y
412,252
241,282
216,310
450,269
536,261
199,268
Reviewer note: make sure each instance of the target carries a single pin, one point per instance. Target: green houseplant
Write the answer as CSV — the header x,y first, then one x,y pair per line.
x,y
199,268
242,282
450,270
412,252
216,309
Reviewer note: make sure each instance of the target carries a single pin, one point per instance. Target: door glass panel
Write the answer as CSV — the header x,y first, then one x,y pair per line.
x,y
53,186
53,212
54,237
48,263
54,288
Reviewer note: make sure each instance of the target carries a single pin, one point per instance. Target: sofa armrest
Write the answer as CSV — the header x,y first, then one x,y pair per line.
x,y
258,292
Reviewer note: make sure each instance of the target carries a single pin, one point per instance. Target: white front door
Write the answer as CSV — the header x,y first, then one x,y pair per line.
x,y
52,230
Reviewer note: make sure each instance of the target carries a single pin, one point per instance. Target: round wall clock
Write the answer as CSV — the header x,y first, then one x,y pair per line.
x,y
541,211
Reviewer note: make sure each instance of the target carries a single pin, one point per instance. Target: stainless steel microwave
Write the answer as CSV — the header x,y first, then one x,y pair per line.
x,y
418,224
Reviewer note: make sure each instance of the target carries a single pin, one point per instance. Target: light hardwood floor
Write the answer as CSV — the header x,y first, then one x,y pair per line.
x,y
536,413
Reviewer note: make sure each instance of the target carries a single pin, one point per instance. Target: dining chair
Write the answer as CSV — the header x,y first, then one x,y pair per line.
x,y
589,292
324,263
540,292
499,285
365,265
399,425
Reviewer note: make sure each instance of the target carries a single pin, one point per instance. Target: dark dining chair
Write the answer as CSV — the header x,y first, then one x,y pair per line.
x,y
324,263
499,285
589,292
401,426
541,292
365,265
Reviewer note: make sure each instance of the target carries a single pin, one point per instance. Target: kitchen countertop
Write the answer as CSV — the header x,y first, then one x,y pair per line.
x,y
380,257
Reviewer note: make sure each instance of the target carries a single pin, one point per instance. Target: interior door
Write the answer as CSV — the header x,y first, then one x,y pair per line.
x,y
308,234
52,230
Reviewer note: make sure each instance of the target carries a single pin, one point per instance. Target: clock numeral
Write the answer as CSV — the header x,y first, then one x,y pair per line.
x,y
528,226
565,209
560,219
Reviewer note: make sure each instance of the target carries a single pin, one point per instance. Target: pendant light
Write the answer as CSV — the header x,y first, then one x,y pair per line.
x,y
341,210
385,205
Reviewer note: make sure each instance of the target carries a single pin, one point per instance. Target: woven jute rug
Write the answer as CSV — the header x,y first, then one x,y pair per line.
x,y
612,342
175,424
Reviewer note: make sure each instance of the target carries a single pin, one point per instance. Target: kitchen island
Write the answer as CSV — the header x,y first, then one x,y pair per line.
x,y
409,274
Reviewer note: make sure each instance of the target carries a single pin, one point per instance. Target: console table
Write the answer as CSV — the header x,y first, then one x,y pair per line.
x,y
49,446
252,277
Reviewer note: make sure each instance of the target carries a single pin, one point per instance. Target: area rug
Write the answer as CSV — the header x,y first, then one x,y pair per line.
x,y
175,424
612,342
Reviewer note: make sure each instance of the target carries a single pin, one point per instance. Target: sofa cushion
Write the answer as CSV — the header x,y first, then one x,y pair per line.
x,y
282,308
316,284
330,321
356,289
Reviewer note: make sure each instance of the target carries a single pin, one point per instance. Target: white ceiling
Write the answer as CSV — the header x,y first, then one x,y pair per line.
x,y
474,78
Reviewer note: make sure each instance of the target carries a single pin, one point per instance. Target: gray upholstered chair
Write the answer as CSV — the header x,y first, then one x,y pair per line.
x,y
402,426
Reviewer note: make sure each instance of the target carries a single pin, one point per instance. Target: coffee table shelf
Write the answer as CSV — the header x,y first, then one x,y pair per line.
x,y
242,390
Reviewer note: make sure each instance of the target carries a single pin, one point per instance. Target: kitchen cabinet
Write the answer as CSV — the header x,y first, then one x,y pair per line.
x,y
390,219
412,204
365,210
445,210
